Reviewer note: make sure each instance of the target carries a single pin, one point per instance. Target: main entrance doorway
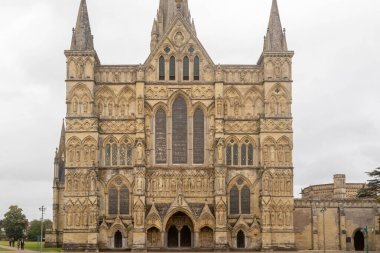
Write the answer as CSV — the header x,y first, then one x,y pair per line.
x,y
179,231
359,241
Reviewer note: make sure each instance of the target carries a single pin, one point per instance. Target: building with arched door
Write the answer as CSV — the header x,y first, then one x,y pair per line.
x,y
177,152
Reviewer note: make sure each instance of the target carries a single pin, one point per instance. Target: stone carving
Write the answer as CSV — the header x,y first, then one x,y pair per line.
x,y
79,125
281,125
116,75
240,127
170,183
117,127
202,92
278,183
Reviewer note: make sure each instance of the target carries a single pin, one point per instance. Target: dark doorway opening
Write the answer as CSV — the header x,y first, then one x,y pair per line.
x,y
186,237
359,241
240,240
118,240
173,237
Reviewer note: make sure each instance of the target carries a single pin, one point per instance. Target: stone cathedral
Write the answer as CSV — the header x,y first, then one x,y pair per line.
x,y
177,152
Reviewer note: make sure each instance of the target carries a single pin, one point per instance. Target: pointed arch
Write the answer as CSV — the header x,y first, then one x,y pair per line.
x,y
198,136
160,136
161,63
179,130
172,68
186,68
196,69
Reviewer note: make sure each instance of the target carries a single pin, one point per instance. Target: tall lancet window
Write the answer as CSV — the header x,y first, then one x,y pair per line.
x,y
179,135
198,137
160,142
196,68
162,68
172,68
186,70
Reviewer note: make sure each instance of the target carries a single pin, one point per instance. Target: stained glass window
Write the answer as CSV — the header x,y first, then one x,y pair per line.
x,y
196,68
162,68
108,154
236,154
114,154
234,200
122,154
160,143
244,154
129,154
186,71
112,201
250,154
172,68
229,154
198,137
245,200
124,200
179,137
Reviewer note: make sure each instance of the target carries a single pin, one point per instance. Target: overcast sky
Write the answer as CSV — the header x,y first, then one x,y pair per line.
x,y
336,95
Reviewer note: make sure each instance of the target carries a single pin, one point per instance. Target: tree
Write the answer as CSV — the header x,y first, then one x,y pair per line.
x,y
15,223
2,235
372,189
34,230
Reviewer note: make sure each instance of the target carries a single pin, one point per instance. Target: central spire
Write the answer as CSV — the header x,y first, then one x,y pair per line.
x,y
82,38
275,40
168,10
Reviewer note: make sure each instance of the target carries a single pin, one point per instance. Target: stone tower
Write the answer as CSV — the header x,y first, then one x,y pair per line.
x,y
177,152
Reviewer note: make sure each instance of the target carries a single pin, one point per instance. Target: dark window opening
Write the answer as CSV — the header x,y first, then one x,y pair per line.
x,y
172,68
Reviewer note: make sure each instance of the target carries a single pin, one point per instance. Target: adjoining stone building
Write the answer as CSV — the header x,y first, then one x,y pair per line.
x,y
177,152
336,207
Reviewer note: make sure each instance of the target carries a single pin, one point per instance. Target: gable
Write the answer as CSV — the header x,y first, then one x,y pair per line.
x,y
179,41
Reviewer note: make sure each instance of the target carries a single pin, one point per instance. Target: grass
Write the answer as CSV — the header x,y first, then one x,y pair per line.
x,y
35,246
1,249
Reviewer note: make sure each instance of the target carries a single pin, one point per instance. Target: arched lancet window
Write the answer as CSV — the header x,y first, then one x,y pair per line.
x,y
186,69
160,141
124,201
246,154
162,68
196,68
198,137
232,153
245,200
118,200
125,157
108,154
114,154
172,68
234,201
112,200
179,135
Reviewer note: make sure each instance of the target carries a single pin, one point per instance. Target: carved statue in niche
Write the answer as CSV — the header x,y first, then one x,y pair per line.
x,y
265,154
140,106
77,154
86,153
93,184
219,107
236,107
75,106
93,153
80,70
110,109
85,106
179,38
140,152
226,108
220,151
272,154
71,154
69,184
277,70
280,154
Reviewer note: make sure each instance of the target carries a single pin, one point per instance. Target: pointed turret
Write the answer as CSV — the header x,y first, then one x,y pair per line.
x,y
275,40
61,149
82,38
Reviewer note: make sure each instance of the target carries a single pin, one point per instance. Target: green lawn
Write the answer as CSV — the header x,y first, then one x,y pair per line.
x,y
1,249
35,246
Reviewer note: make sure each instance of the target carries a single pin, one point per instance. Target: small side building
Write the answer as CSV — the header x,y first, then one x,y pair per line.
x,y
330,216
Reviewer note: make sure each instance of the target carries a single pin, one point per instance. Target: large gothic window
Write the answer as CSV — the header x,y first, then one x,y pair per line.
x,y
160,142
172,68
179,135
234,200
162,68
118,154
240,199
118,200
198,137
186,68
196,68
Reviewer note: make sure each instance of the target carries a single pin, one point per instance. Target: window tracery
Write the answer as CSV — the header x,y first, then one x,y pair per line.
x,y
160,142
240,198
118,199
118,154
161,68
179,127
186,68
198,137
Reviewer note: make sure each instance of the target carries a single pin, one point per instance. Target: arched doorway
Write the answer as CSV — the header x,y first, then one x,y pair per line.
x,y
240,240
359,241
118,240
179,231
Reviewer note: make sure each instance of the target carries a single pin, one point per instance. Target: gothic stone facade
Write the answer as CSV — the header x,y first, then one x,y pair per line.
x,y
177,152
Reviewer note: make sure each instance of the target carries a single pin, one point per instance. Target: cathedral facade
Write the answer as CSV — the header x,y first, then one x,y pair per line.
x,y
178,152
